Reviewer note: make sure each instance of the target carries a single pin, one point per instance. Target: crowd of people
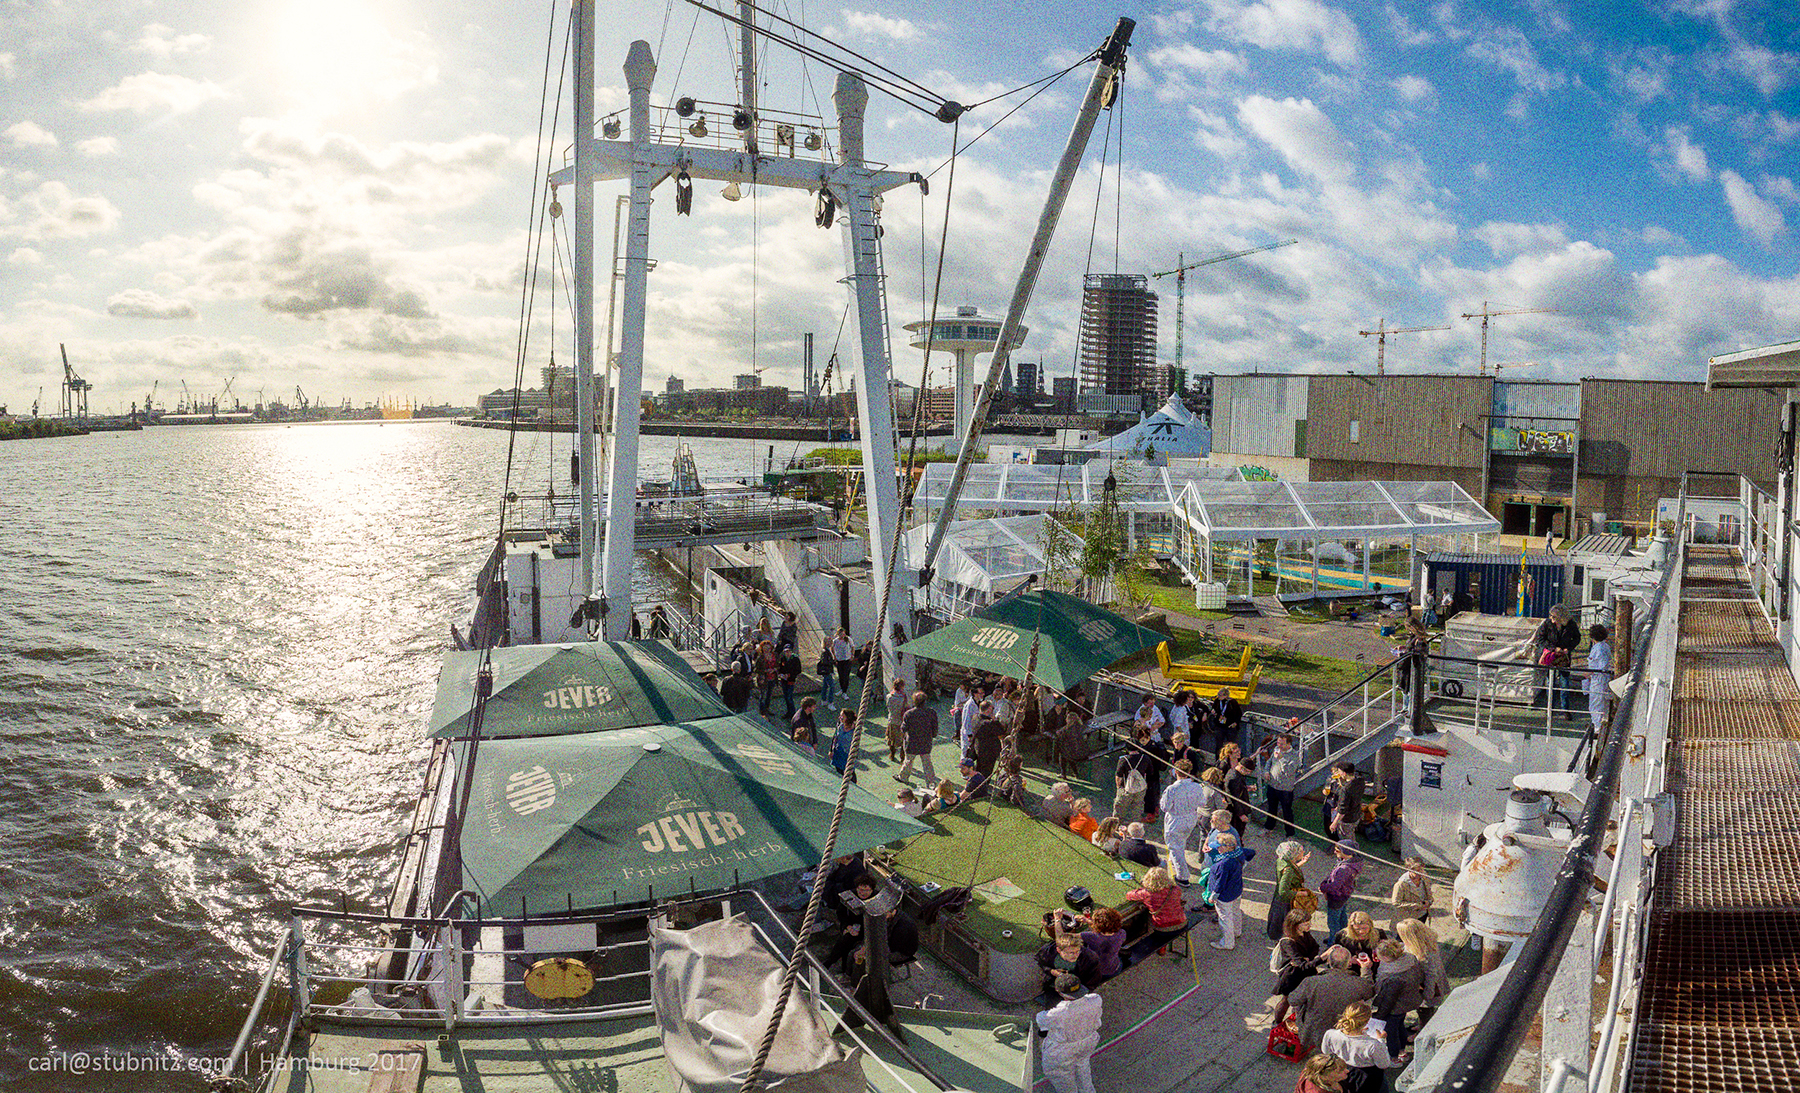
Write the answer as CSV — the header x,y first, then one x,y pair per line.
x,y
1347,996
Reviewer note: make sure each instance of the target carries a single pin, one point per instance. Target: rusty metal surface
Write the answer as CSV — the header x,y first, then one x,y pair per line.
x,y
1721,625
1728,719
1724,1017
1735,764
1751,675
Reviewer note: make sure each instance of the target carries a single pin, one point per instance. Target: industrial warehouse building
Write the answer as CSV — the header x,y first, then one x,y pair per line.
x,y
1541,456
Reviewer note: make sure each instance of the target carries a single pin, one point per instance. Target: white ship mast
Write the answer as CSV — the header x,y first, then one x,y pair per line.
x,y
647,161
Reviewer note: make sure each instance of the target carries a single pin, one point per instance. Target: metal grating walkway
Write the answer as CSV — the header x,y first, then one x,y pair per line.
x,y
1720,996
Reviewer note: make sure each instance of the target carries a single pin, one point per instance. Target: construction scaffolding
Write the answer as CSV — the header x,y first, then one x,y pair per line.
x,y
1118,336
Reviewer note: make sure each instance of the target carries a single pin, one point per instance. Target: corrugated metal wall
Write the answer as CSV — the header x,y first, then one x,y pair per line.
x,y
1637,437
1256,415
1427,421
1496,581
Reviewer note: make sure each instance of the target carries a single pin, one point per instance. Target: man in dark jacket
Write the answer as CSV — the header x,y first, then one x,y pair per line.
x,y
989,735
737,688
920,726
790,675
1319,1000
1227,719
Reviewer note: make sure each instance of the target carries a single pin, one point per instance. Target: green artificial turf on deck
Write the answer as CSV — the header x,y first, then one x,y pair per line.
x,y
1034,854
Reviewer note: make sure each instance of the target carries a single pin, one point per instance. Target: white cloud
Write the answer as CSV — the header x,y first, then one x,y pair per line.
x,y
881,26
1404,31
1688,158
98,146
1767,69
1508,240
1780,186
1215,134
1755,215
1644,75
1658,236
52,211
1414,88
162,42
9,66
137,303
26,256
1212,64
1510,51
1305,26
29,134
1302,135
157,92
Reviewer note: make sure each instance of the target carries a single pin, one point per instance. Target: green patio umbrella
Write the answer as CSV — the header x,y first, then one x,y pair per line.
x,y
615,817
1079,639
550,690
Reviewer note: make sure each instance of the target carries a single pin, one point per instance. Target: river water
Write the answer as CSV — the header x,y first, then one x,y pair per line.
x,y
217,652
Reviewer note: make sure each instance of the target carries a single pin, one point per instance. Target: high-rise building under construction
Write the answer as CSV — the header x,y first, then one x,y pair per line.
x,y
1118,334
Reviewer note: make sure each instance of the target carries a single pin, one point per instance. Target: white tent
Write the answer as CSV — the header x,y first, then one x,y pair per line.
x,y
1171,430
984,559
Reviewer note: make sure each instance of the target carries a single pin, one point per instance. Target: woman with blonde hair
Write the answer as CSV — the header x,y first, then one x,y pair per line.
x,y
1212,789
1107,837
1322,1074
1168,914
1421,941
1360,935
1364,1052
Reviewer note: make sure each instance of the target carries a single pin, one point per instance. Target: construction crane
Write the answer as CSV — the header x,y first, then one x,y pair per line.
x,y
1484,314
187,406
74,390
1180,274
223,394
1381,332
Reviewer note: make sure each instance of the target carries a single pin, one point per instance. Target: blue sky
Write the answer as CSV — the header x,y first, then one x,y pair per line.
x,y
333,193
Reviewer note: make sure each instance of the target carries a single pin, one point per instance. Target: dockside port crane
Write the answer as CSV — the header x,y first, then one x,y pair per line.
x,y
187,404
74,390
1180,275
1484,315
1381,332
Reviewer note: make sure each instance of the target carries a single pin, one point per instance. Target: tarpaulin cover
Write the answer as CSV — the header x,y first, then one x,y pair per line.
x,y
603,818
550,690
1504,642
1079,638
714,988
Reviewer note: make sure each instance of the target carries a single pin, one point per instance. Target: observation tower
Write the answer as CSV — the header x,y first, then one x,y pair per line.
x,y
965,335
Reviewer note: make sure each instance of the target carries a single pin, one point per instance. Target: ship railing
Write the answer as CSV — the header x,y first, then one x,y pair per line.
x,y
1547,982
356,969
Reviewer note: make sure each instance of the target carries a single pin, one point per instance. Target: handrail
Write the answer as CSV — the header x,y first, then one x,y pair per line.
x,y
262,997
1481,1064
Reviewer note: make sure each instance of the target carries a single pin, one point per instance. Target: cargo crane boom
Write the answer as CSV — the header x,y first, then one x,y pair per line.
x,y
1180,275
74,389
1484,315
1381,332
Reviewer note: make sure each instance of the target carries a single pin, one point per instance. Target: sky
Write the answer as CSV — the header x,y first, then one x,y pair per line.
x,y
336,195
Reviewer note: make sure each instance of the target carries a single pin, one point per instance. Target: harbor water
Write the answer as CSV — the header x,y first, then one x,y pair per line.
x,y
217,652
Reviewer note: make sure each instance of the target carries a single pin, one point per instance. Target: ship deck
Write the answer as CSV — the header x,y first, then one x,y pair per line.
x,y
1721,988
625,1054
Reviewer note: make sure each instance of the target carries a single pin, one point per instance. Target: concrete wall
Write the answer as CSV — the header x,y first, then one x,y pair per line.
x,y
1638,436
1256,415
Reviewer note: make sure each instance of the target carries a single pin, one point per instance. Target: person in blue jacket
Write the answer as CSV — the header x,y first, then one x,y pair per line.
x,y
1228,886
841,740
